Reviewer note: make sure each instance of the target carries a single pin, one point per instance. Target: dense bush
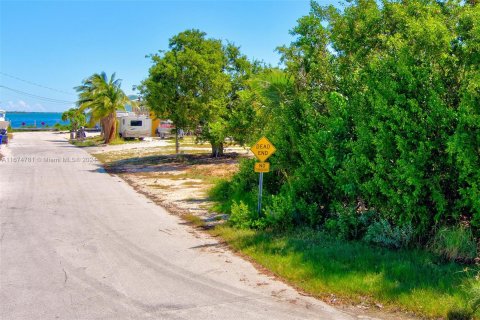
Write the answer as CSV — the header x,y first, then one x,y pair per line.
x,y
378,103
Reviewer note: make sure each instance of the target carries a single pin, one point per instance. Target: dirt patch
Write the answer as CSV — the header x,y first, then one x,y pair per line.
x,y
178,183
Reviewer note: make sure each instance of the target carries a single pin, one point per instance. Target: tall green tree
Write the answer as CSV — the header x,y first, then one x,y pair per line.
x,y
198,84
102,97
187,84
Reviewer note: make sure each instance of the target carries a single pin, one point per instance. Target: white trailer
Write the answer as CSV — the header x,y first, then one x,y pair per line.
x,y
134,126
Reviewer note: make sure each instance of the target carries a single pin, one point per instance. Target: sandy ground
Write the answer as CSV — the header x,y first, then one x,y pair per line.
x,y
180,186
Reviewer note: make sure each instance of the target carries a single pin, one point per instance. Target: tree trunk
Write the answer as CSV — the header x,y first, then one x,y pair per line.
x,y
105,129
177,144
217,150
109,125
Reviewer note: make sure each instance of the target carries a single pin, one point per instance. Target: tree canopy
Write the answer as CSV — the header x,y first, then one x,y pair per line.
x,y
196,84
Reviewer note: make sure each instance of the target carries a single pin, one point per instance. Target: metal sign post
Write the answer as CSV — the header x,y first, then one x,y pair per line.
x,y
260,188
263,149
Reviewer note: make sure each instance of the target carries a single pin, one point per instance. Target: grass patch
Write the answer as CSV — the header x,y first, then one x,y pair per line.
x,y
412,280
190,183
88,142
98,140
118,140
159,186
194,220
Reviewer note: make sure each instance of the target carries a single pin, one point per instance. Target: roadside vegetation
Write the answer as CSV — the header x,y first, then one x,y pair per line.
x,y
88,142
376,123
342,272
99,140
374,191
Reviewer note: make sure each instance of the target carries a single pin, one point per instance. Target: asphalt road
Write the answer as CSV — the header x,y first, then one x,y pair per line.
x,y
77,243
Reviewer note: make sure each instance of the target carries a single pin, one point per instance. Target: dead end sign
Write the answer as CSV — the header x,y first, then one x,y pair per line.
x,y
263,149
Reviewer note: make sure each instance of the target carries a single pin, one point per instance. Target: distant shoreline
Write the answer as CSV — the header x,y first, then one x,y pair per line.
x,y
33,111
24,119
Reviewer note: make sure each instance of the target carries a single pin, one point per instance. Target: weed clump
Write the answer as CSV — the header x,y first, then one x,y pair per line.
x,y
455,244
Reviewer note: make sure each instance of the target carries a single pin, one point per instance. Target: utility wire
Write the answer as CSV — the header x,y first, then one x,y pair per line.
x,y
46,99
35,84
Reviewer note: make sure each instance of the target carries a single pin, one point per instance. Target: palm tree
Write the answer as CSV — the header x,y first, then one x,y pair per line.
x,y
102,97
76,117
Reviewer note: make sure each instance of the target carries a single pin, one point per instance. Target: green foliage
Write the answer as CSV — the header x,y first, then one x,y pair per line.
x,y
348,224
241,215
384,234
474,293
101,96
455,244
198,83
243,187
378,104
59,126
76,118
321,265
279,215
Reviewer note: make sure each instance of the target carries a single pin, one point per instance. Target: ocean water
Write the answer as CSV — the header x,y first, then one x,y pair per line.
x,y
17,119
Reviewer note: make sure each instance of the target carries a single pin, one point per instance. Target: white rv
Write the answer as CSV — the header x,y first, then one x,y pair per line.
x,y
131,125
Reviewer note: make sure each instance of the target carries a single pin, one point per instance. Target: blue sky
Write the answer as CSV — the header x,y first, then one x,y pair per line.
x,y
56,44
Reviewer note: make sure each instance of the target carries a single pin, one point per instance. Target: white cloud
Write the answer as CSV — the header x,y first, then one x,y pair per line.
x,y
21,105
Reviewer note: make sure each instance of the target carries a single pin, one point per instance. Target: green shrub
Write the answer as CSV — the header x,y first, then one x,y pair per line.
x,y
344,225
241,216
384,234
62,127
280,213
455,244
242,187
348,224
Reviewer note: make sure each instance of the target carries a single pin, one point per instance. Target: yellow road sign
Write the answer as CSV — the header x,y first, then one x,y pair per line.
x,y
263,149
262,167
